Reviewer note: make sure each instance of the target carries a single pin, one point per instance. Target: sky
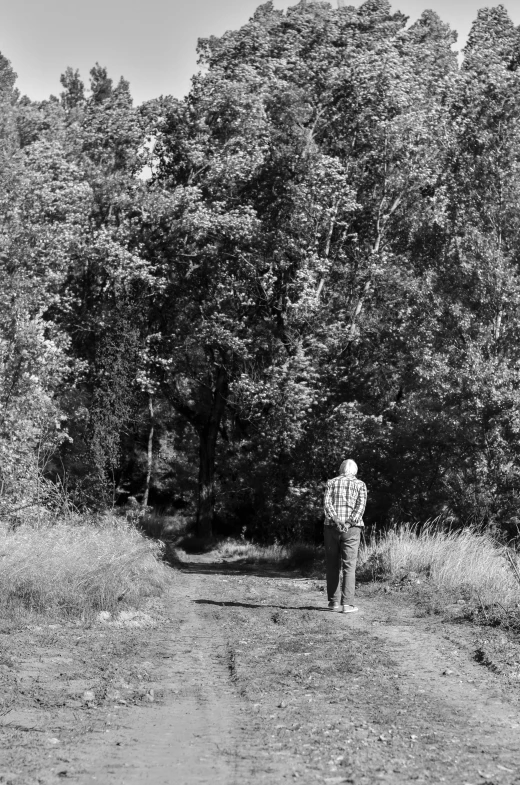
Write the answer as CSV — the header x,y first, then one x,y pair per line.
x,y
152,43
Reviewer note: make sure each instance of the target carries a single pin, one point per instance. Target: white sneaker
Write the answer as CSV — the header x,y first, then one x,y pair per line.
x,y
349,609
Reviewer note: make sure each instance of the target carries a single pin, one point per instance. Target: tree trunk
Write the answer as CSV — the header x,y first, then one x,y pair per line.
x,y
150,453
208,435
206,506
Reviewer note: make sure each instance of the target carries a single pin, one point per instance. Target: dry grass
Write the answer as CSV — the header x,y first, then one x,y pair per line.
x,y
77,569
297,556
252,553
466,565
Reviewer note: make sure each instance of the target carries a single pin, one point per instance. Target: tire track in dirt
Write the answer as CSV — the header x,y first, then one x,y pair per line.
x,y
194,736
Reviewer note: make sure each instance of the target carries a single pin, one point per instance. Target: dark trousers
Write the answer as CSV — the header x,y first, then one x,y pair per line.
x,y
341,550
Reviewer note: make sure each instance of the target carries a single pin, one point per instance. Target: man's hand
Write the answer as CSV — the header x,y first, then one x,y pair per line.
x,y
332,518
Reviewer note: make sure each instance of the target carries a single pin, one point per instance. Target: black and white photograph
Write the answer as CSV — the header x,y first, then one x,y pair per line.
x,y
259,392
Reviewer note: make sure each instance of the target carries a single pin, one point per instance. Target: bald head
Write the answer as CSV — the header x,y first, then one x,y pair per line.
x,y
348,467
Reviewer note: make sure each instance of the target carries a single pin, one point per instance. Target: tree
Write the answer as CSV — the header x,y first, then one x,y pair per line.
x,y
73,95
100,84
39,210
104,281
480,284
285,181
324,261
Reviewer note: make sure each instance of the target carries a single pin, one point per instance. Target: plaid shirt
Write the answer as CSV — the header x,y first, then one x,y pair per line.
x,y
345,500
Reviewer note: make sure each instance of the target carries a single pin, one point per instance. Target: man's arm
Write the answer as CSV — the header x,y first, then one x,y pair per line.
x,y
330,512
360,504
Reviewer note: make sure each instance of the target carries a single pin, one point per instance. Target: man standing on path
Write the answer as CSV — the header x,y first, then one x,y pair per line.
x,y
345,500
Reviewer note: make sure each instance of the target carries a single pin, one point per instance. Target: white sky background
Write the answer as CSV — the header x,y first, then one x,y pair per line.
x,y
152,43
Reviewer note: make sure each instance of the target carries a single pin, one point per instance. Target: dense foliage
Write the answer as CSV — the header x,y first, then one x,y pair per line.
x,y
211,302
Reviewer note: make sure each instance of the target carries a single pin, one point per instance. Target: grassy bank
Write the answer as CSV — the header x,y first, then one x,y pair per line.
x,y
77,568
466,567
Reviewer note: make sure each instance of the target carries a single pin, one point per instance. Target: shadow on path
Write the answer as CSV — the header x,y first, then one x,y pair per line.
x,y
233,604
267,570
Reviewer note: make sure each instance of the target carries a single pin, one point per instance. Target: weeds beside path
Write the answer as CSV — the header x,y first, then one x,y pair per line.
x,y
242,676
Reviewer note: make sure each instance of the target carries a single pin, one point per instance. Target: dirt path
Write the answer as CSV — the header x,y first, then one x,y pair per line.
x,y
192,735
245,678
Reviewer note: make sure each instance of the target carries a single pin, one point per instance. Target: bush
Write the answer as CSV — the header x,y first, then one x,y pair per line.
x,y
77,569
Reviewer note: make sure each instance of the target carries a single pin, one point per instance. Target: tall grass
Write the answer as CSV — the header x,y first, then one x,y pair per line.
x,y
77,569
466,564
